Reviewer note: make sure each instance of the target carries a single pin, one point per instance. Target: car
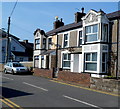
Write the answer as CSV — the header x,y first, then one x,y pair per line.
x,y
14,68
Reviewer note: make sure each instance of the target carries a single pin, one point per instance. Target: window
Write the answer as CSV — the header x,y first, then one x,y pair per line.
x,y
37,44
13,48
66,60
65,40
104,62
105,32
91,33
80,38
49,43
44,43
3,49
91,61
21,59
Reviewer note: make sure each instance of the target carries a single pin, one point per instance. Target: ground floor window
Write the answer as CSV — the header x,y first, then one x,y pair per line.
x,y
66,61
36,61
104,62
91,61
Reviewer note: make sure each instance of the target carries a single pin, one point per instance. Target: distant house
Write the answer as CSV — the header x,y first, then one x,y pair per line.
x,y
89,45
18,50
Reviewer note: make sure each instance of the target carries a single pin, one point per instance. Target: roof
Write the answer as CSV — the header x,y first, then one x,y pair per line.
x,y
52,52
114,15
111,16
3,34
24,54
65,28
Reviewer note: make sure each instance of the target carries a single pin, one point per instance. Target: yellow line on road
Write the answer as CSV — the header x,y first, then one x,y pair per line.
x,y
10,103
7,104
86,88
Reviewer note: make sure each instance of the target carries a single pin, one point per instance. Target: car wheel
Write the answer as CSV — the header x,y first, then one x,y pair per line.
x,y
5,71
13,72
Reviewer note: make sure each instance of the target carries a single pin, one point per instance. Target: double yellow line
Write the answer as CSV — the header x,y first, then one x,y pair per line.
x,y
10,103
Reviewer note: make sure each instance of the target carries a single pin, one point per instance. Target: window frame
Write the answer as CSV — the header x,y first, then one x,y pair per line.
x,y
80,37
104,62
37,44
91,61
91,33
68,59
64,40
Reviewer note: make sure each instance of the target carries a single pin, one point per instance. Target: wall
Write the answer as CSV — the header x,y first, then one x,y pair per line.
x,y
43,72
80,78
109,85
1,67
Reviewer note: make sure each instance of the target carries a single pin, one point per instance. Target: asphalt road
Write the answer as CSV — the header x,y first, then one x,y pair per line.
x,y
31,91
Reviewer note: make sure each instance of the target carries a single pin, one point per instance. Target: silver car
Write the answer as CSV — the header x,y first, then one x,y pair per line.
x,y
14,68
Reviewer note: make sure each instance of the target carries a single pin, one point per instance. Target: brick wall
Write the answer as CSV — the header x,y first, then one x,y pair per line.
x,y
80,78
47,73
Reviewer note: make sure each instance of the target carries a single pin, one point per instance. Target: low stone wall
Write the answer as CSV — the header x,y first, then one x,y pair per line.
x,y
80,78
47,73
109,85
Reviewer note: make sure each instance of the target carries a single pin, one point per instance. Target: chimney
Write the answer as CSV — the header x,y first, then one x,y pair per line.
x,y
79,15
26,41
58,23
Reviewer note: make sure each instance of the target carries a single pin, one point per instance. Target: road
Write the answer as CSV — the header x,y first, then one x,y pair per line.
x,y
31,91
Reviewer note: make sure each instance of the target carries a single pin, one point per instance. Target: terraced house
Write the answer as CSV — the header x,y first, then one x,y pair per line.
x,y
88,45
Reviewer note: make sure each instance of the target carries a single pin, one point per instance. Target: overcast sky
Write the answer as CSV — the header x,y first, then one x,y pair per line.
x,y
28,16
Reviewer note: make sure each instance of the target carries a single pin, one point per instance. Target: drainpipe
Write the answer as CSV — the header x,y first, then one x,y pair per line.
x,y
117,49
57,55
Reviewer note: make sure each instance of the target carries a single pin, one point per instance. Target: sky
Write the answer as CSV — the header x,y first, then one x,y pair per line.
x,y
28,16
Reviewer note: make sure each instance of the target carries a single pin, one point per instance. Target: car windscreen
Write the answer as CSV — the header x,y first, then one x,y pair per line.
x,y
17,65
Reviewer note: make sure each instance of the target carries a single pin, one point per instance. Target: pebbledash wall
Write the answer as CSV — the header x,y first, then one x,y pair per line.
x,y
82,79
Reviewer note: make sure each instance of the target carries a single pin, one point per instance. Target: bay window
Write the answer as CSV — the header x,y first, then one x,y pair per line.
x,y
66,60
37,44
91,33
91,61
104,62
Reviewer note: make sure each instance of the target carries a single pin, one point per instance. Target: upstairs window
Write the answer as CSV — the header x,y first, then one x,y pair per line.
x,y
91,61
65,41
80,38
49,43
66,61
37,44
44,43
105,32
91,33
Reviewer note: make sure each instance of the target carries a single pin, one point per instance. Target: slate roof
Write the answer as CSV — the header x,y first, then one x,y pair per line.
x,y
16,53
111,16
4,33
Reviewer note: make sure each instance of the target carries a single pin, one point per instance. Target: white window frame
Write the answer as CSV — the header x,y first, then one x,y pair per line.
x,y
90,62
67,60
66,40
37,44
86,34
105,62
80,38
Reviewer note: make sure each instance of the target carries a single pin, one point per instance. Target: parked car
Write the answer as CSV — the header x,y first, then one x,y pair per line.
x,y
15,67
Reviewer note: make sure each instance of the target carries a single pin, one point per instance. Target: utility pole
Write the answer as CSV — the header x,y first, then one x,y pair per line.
x,y
7,43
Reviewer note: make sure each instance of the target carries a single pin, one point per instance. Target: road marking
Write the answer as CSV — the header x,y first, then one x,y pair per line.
x,y
81,102
35,86
86,88
7,104
7,78
10,103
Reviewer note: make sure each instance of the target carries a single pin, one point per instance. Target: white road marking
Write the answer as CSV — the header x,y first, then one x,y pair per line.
x,y
7,78
81,102
35,86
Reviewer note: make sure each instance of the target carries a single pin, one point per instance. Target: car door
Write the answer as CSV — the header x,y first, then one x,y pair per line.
x,y
7,67
10,67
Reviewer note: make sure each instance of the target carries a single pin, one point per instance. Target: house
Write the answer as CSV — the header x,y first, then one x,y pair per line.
x,y
17,51
89,45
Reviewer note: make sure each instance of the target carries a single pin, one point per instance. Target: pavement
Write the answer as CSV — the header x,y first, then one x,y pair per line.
x,y
28,91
